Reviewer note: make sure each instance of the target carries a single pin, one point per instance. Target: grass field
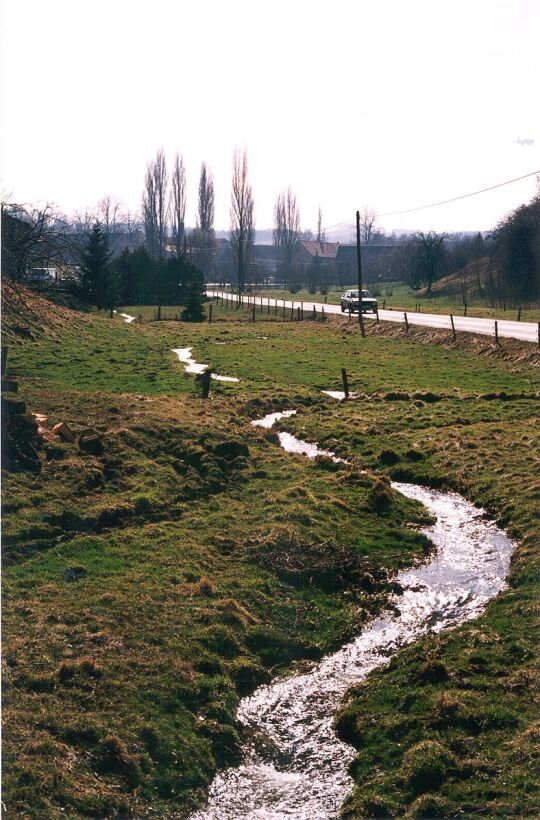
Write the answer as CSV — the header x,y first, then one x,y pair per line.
x,y
398,296
147,588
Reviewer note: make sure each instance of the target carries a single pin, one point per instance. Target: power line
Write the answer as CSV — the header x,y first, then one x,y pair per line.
x,y
423,207
444,201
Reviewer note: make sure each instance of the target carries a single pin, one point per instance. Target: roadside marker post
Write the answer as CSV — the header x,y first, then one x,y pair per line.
x,y
406,322
496,332
453,328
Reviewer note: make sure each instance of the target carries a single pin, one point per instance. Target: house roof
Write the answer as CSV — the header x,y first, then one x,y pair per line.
x,y
324,250
346,252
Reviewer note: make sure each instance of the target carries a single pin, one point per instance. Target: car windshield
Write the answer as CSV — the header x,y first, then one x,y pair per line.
x,y
353,294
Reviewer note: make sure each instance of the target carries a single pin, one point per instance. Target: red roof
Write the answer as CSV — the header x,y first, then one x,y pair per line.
x,y
324,250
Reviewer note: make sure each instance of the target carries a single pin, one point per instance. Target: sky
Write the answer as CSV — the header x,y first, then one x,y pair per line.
x,y
389,103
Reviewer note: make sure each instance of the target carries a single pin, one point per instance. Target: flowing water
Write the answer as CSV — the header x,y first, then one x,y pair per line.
x,y
290,443
304,775
191,366
339,394
128,319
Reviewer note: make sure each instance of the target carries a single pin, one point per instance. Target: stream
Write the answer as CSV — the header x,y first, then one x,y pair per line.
x,y
305,776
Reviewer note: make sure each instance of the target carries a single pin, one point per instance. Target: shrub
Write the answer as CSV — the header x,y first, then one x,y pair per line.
x,y
112,755
380,496
430,805
367,804
426,765
388,457
434,671
87,666
143,505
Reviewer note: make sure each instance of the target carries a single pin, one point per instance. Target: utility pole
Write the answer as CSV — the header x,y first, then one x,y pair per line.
x,y
359,264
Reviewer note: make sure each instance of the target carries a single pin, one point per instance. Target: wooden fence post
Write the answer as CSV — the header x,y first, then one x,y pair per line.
x,y
383,304
453,328
519,315
205,383
210,313
377,314
406,322
345,382
496,332
253,312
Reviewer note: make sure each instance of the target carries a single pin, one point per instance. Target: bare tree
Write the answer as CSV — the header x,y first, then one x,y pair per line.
x,y
428,261
34,238
154,204
321,233
83,221
242,217
287,226
178,203
109,214
367,224
203,237
132,223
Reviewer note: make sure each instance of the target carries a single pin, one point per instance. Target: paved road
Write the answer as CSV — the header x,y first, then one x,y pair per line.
x,y
525,331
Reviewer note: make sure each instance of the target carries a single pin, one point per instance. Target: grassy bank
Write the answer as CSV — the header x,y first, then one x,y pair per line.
x,y
150,586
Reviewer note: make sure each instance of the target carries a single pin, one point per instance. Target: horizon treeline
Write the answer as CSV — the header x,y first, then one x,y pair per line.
x,y
502,265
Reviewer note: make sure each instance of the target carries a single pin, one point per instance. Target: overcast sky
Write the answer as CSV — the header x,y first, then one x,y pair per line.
x,y
392,103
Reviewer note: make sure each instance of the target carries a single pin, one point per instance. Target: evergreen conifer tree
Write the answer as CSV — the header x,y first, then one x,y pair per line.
x,y
98,279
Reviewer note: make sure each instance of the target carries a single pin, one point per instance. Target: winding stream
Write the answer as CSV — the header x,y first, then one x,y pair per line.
x,y
191,366
305,776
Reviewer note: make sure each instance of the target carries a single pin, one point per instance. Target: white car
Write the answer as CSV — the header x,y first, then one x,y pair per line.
x,y
350,301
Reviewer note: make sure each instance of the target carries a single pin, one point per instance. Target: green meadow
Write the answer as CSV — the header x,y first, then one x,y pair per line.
x,y
147,588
